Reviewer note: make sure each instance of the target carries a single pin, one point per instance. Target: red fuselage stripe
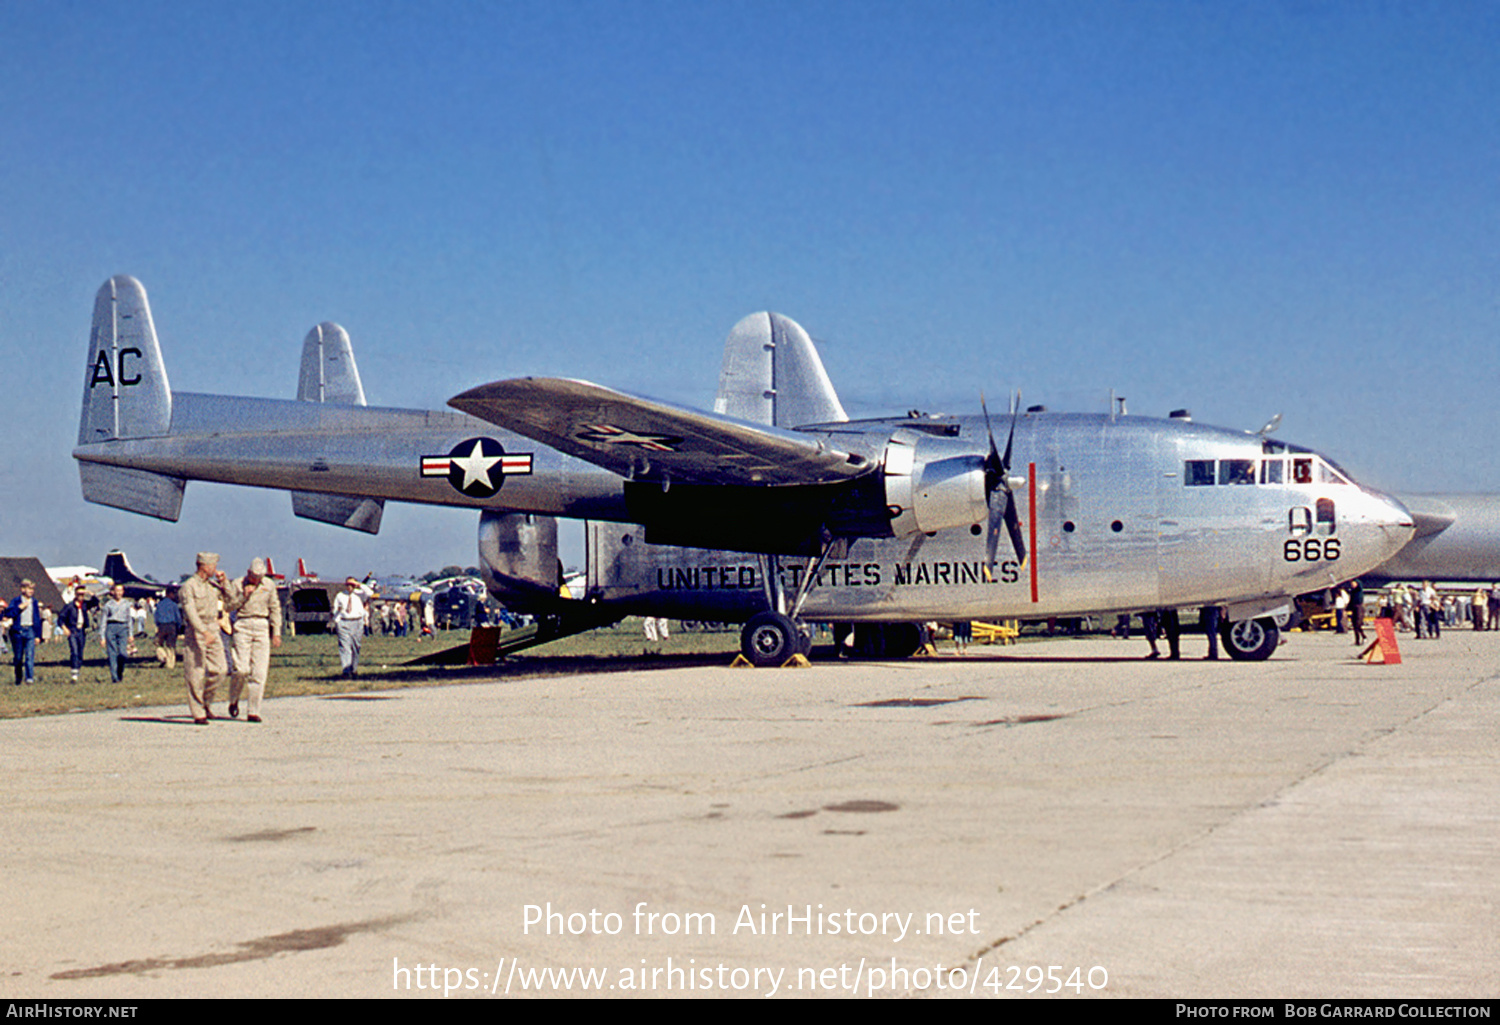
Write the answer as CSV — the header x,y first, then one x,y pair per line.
x,y
1031,521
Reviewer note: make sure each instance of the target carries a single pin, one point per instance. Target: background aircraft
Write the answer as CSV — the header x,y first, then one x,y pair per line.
x,y
117,568
1457,539
775,507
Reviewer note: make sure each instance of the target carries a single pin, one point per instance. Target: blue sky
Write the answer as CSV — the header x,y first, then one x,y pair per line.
x,y
1242,208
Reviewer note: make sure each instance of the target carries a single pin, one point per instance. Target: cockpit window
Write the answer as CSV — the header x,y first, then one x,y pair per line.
x,y
1303,469
1236,471
1328,475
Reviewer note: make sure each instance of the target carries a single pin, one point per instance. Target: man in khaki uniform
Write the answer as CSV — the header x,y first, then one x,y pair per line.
x,y
256,631
203,664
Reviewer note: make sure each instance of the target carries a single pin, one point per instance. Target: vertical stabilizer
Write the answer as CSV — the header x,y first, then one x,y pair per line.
x,y
117,567
772,375
328,370
126,396
125,389
330,375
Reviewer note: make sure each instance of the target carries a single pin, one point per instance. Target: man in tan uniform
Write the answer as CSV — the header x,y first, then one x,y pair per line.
x,y
203,664
256,631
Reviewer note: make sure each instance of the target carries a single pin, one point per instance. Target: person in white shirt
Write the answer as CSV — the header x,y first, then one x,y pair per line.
x,y
349,623
114,630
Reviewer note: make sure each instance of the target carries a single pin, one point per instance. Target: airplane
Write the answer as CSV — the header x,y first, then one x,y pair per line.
x,y
63,577
117,567
775,509
1457,540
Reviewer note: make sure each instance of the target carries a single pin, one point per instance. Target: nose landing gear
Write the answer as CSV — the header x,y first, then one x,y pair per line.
x,y
1250,640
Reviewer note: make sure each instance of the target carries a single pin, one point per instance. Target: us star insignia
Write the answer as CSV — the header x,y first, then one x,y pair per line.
x,y
477,467
609,434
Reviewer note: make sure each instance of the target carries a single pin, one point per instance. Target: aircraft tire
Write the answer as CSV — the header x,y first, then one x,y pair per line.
x,y
769,639
1250,640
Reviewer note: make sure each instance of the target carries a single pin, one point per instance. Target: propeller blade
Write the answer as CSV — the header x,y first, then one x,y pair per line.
x,y
1008,516
1009,441
992,535
994,467
997,479
1013,525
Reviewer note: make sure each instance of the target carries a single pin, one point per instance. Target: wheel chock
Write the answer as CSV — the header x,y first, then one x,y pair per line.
x,y
796,661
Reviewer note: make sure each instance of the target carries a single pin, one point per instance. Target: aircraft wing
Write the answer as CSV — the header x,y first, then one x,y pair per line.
x,y
642,439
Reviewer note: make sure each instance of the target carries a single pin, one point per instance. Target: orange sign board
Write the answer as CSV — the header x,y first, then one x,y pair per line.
x,y
1384,649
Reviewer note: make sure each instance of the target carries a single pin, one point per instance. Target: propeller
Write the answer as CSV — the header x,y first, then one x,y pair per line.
x,y
996,479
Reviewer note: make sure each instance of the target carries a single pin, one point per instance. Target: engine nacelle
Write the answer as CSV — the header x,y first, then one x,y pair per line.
x,y
518,560
933,483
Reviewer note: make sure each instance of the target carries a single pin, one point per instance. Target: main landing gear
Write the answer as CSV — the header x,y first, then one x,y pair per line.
x,y
773,636
770,638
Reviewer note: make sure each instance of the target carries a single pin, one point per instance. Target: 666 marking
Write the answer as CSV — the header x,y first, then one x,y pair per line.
x,y
1310,549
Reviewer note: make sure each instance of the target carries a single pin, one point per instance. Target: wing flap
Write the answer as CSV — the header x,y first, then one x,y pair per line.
x,y
643,439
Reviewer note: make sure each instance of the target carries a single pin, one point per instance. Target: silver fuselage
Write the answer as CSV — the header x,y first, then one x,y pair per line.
x,y
1120,513
1115,526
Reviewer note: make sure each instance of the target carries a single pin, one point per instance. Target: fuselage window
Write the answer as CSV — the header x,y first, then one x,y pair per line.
x,y
1198,473
1299,520
1302,471
1236,471
1271,471
1326,521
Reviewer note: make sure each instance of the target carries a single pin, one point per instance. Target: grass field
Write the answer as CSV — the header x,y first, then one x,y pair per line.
x,y
310,665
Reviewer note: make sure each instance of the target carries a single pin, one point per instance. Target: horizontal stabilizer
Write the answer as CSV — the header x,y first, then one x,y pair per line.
x,y
340,510
137,491
643,439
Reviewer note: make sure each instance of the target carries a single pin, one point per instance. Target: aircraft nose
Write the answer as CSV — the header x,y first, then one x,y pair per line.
x,y
1395,521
